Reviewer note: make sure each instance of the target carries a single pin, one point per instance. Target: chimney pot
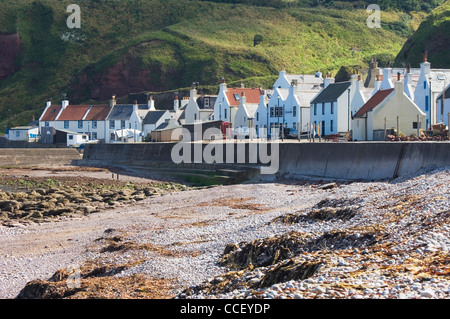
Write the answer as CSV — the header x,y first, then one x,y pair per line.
x,y
398,76
425,56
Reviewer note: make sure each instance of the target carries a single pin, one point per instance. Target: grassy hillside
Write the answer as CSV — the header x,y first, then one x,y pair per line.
x,y
433,36
131,46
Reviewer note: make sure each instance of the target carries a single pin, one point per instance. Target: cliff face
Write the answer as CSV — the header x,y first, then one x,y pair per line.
x,y
136,71
10,45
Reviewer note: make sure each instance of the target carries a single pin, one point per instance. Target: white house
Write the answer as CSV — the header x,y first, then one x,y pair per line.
x,y
388,109
129,117
443,106
153,119
228,101
83,119
331,109
430,85
23,133
245,117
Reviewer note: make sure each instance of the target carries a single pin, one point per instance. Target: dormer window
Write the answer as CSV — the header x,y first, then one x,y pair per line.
x,y
237,97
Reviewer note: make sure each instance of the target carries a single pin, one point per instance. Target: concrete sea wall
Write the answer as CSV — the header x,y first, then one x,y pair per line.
x,y
38,156
349,161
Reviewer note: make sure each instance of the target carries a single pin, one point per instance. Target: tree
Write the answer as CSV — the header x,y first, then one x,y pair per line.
x,y
257,39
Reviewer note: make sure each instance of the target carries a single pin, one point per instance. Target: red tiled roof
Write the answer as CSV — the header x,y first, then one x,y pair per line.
x,y
98,113
374,101
73,113
252,95
51,113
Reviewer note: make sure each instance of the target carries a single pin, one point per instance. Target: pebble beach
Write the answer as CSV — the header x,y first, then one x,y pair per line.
x,y
283,240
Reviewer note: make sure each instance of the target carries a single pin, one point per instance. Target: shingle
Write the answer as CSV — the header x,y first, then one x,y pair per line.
x,y
331,93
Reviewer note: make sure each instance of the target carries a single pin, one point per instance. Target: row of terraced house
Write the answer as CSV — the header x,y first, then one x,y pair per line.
x,y
401,99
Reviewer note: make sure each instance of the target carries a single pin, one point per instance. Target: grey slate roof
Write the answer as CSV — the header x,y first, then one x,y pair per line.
x,y
331,93
121,112
171,124
153,116
124,111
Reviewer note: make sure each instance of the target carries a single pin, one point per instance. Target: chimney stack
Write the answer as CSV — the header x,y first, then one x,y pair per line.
x,y
112,102
135,106
151,103
328,80
176,104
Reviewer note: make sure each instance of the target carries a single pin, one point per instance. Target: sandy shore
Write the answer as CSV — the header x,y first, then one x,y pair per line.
x,y
180,237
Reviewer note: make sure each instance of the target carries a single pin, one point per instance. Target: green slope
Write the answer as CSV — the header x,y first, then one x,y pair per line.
x,y
131,46
433,36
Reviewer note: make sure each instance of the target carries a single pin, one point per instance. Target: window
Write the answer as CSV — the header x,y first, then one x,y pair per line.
x,y
415,126
294,125
17,133
236,97
195,116
47,124
66,124
331,126
112,124
332,107
94,124
426,103
424,85
70,137
206,102
80,124
225,113
94,135
271,112
315,109
122,124
294,111
257,116
322,129
323,108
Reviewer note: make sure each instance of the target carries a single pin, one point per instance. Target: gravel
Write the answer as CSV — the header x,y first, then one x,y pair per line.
x,y
196,225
